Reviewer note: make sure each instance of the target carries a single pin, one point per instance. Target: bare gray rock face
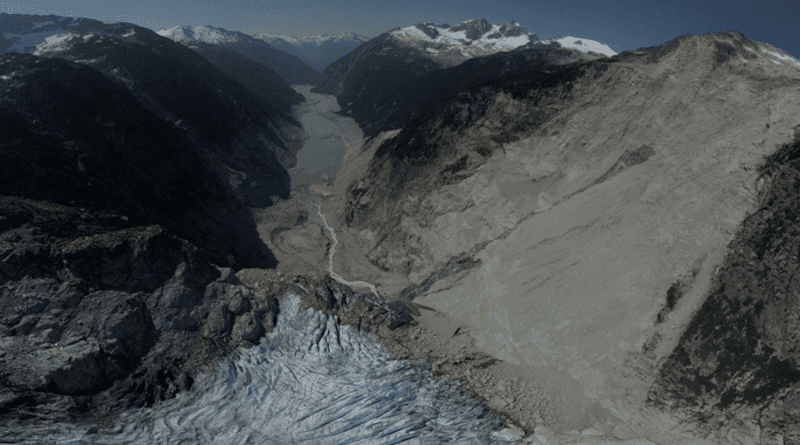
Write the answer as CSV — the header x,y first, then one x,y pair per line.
x,y
122,317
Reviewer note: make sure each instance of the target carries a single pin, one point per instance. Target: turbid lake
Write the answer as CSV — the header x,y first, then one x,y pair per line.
x,y
321,156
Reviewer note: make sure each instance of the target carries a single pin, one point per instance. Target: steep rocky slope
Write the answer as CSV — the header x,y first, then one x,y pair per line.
x,y
100,314
94,189
76,138
595,202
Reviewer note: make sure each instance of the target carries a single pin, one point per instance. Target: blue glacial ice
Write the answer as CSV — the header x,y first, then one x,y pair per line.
x,y
312,381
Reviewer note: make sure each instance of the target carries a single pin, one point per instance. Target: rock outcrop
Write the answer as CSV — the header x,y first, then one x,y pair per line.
x,y
100,311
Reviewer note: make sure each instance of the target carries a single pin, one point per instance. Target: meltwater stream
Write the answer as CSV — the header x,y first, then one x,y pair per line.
x,y
311,381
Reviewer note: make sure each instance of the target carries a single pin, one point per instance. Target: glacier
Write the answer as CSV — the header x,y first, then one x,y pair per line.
x,y
311,381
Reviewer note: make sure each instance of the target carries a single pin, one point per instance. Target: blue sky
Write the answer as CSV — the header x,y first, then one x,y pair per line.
x,y
621,24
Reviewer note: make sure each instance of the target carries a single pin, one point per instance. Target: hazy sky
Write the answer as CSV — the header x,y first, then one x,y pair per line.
x,y
621,24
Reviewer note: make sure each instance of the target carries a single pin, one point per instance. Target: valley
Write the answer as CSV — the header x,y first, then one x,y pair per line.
x,y
579,241
528,397
451,234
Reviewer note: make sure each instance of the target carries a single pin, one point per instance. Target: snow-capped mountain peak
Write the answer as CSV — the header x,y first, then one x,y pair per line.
x,y
318,51
478,37
583,45
317,40
205,34
472,38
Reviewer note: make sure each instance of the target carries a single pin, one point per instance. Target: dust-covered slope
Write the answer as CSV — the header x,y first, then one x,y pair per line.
x,y
596,207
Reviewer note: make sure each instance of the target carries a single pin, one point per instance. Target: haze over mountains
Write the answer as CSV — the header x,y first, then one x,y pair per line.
x,y
600,247
317,51
289,67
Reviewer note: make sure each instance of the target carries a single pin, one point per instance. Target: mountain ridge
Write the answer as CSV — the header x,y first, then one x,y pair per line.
x,y
577,190
317,51
391,59
289,67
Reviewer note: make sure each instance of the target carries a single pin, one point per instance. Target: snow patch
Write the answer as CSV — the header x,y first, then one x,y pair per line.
x,y
780,56
318,40
55,43
23,42
130,33
777,55
509,434
590,432
583,45
457,40
207,34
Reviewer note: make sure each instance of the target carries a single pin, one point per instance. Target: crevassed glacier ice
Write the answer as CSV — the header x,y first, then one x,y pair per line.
x,y
311,381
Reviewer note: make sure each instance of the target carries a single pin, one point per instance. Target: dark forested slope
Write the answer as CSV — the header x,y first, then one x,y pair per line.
x,y
741,351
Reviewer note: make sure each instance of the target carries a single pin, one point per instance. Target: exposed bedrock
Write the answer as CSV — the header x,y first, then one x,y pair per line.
x,y
112,315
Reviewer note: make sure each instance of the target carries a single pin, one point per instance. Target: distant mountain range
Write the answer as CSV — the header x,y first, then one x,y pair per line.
x,y
293,70
474,38
317,51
